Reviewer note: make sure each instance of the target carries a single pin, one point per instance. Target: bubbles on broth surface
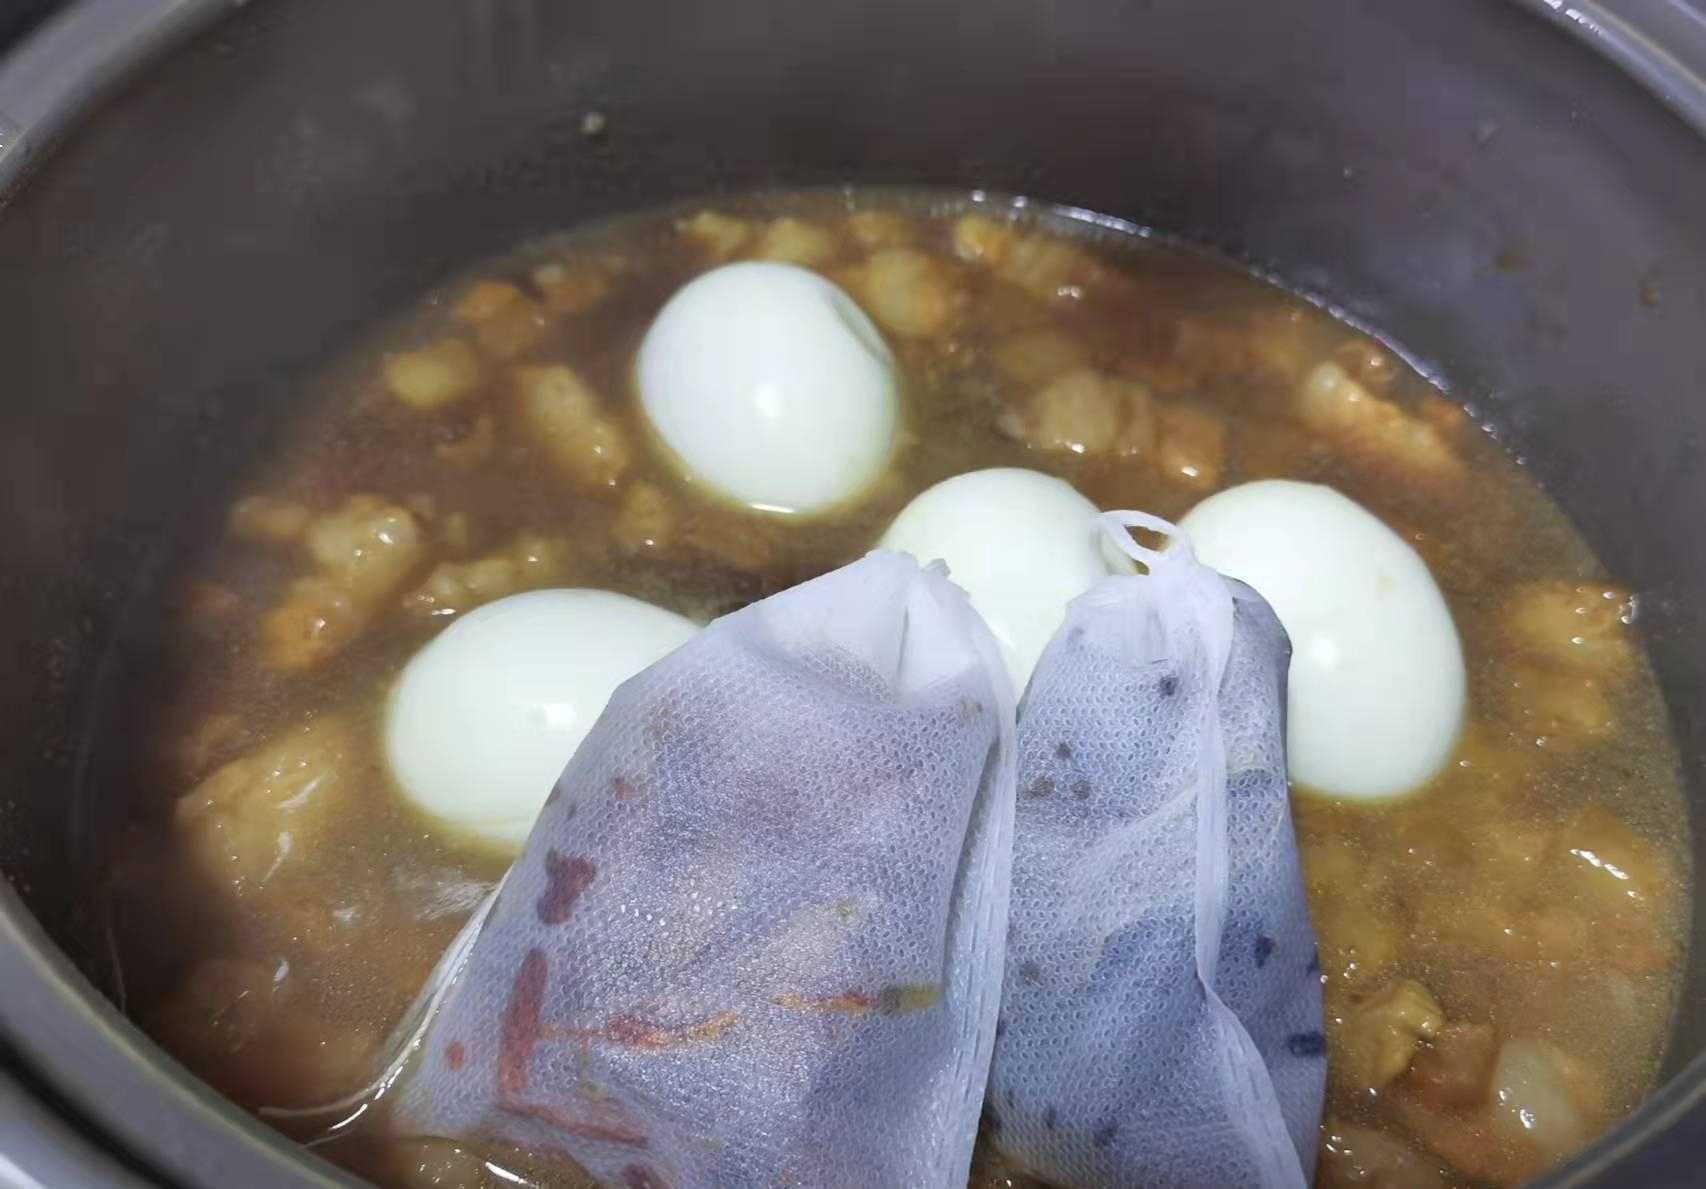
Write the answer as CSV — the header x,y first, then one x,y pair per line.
x,y
1499,951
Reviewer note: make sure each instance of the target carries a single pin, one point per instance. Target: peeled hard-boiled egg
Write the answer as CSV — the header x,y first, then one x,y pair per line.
x,y
487,714
770,386
1020,543
1377,680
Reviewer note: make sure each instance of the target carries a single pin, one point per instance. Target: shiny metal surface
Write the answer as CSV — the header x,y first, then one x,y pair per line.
x,y
169,273
76,58
39,1149
1661,43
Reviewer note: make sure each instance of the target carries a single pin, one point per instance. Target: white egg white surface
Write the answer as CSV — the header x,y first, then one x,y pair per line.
x,y
1022,544
485,716
1377,687
770,386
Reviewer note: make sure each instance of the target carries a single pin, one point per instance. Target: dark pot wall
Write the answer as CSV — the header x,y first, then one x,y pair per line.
x,y
1514,211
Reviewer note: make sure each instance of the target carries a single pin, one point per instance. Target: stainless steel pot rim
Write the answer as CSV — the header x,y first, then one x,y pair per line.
x,y
126,1087
1661,45
63,69
79,1042
38,1148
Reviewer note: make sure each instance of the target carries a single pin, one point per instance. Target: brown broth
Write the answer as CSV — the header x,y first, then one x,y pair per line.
x,y
1535,889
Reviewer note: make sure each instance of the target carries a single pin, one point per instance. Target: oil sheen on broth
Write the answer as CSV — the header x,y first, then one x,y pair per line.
x,y
1500,951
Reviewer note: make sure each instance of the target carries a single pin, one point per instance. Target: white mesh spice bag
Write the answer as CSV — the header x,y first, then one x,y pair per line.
x,y
755,937
1161,1016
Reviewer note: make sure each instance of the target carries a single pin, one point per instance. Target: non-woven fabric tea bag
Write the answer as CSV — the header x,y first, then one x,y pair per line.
x,y
755,937
1161,1017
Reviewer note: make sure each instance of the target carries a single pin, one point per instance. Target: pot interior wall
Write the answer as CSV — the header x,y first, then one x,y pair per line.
x,y
1535,235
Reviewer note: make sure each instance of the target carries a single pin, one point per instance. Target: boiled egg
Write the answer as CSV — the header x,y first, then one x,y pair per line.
x,y
771,387
1377,688
485,716
1022,544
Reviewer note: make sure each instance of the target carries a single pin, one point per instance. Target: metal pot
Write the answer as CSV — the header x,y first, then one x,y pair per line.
x,y
1518,212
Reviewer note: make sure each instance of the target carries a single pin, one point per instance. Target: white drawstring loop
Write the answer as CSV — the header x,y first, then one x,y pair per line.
x,y
1116,526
